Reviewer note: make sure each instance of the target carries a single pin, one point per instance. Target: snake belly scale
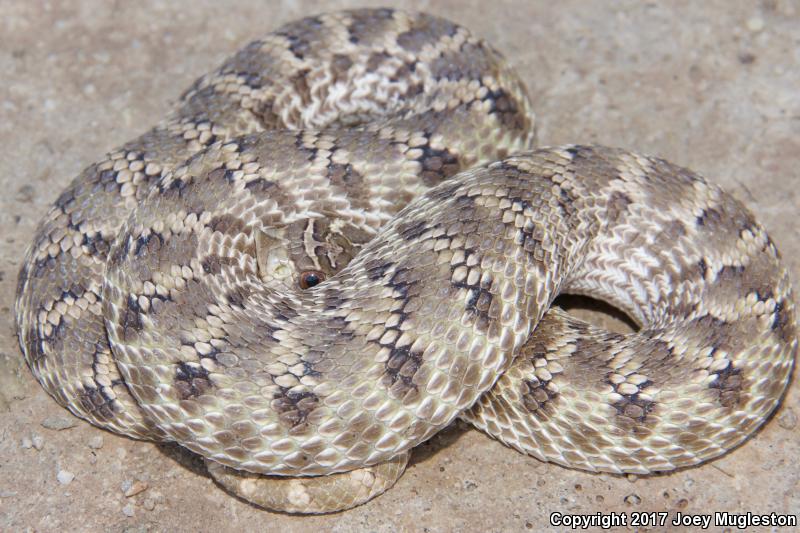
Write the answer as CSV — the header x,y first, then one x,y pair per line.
x,y
342,239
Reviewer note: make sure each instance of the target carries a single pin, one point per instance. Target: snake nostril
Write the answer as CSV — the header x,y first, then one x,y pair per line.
x,y
310,278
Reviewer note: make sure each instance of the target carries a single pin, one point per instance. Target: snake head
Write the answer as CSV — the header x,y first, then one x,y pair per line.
x,y
306,252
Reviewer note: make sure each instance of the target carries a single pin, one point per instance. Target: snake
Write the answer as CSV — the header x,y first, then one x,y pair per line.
x,y
344,238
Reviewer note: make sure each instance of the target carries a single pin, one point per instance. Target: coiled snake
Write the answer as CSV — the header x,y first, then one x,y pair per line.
x,y
326,253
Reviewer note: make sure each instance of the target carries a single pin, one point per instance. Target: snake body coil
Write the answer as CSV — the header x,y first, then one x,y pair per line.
x,y
313,265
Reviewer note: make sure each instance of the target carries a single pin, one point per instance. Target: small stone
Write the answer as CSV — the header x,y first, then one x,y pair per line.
x,y
755,24
136,488
788,420
26,443
64,477
149,504
746,58
96,442
128,510
7,493
683,503
58,423
126,485
632,499
37,441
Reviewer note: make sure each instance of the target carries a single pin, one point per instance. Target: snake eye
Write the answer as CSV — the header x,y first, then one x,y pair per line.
x,y
309,278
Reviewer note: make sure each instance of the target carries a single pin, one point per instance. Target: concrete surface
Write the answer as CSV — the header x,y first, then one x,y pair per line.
x,y
710,85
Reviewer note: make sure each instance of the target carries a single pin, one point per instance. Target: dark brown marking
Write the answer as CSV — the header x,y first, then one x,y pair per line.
x,y
292,407
66,200
367,23
399,372
296,33
94,400
437,165
351,183
267,116
95,245
300,84
507,110
34,345
783,323
148,244
708,215
634,407
535,394
237,296
377,268
131,320
729,383
618,203
412,230
375,60
227,224
427,30
702,267
340,65
213,264
479,298
191,380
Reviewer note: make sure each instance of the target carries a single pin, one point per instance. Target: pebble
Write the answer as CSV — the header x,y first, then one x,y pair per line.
x,y
65,477
149,504
26,443
135,488
58,423
755,24
96,442
37,441
128,510
788,420
633,499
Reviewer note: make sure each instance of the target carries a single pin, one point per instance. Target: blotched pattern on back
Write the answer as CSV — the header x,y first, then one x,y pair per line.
x,y
165,295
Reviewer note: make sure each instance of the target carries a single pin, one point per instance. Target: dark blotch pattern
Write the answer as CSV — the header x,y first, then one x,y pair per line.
x,y
292,407
437,165
783,323
94,400
729,383
191,380
536,395
400,369
634,407
131,320
508,111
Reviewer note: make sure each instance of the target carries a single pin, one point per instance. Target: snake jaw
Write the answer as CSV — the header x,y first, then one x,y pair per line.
x,y
272,256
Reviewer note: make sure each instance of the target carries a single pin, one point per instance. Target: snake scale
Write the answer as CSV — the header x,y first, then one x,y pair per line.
x,y
342,239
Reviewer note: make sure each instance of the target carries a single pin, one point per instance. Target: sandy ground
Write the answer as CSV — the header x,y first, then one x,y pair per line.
x,y
710,85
